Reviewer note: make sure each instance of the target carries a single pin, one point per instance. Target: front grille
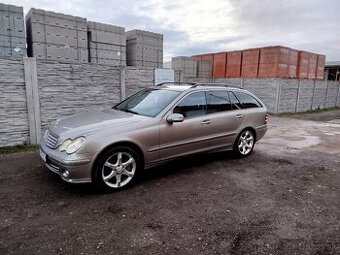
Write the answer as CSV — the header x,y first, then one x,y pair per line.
x,y
51,140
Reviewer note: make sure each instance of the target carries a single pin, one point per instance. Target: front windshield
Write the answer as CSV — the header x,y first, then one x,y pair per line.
x,y
148,102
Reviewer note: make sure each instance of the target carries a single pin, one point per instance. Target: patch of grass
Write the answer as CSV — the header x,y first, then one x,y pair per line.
x,y
18,148
309,111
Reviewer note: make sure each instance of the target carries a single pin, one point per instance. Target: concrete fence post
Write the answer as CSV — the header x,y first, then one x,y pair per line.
x,y
297,96
278,93
313,96
122,83
325,100
337,95
33,101
242,81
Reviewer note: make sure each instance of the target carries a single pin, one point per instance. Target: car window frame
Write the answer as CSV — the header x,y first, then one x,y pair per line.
x,y
184,97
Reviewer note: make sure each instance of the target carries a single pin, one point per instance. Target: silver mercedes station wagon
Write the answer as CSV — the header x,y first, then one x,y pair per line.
x,y
110,148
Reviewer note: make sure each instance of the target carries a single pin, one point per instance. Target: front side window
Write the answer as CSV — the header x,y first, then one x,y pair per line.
x,y
192,105
218,101
148,102
247,101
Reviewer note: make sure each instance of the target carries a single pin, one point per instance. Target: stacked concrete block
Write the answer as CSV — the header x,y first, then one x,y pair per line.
x,y
56,36
187,65
107,44
12,32
144,49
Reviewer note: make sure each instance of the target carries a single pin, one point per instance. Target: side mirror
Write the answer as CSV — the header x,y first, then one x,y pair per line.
x,y
175,117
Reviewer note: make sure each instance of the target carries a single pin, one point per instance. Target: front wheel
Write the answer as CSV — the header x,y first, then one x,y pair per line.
x,y
244,143
117,168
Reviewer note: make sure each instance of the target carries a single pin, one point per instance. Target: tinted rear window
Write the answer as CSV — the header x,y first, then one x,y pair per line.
x,y
246,100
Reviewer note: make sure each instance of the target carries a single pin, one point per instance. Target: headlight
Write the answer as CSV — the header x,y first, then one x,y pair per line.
x,y
71,146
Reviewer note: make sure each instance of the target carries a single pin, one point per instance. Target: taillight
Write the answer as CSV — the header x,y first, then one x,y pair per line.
x,y
266,119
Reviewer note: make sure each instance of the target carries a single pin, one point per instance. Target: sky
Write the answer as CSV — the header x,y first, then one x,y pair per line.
x,y
197,26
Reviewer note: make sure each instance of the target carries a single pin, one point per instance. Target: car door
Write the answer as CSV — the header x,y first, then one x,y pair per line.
x,y
254,113
225,117
189,136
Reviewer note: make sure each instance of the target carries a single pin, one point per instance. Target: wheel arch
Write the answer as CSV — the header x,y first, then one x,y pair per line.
x,y
129,144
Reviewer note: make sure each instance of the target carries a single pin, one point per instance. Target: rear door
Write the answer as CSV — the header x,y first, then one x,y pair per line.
x,y
225,116
253,111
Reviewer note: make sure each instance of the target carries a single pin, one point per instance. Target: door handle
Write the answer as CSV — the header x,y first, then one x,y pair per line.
x,y
205,122
239,115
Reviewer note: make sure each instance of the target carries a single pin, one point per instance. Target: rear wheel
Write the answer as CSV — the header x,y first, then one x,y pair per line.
x,y
244,143
117,168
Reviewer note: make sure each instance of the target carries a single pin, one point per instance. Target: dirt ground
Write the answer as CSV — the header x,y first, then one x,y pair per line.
x,y
283,199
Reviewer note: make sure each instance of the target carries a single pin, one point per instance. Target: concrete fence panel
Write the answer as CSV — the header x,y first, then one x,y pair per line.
x,y
319,94
288,95
331,94
237,82
66,89
265,89
305,97
137,79
14,126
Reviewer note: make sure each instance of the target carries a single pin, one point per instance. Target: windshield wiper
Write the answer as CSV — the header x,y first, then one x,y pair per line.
x,y
125,110
131,111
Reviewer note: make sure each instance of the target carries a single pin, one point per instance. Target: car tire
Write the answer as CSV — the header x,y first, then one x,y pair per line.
x,y
117,168
244,144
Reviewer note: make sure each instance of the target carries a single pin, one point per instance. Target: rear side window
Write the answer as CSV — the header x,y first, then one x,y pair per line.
x,y
192,105
218,101
235,103
246,100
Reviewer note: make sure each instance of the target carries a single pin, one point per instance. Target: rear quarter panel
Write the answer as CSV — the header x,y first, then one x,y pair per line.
x,y
254,118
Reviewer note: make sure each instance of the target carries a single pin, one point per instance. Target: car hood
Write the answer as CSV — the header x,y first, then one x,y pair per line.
x,y
87,123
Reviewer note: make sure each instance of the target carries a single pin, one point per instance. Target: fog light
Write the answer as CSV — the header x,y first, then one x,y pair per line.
x,y
65,174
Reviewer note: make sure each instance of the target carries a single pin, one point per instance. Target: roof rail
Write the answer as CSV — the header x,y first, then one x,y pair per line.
x,y
215,84
176,83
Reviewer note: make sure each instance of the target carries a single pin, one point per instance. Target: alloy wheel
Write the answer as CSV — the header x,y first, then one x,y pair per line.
x,y
246,142
119,169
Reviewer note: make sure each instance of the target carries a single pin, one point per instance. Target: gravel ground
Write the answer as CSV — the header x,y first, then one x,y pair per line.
x,y
283,199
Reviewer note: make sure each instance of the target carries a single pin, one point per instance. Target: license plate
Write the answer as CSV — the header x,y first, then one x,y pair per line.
x,y
42,155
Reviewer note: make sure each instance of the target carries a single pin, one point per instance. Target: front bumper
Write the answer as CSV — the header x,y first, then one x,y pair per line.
x,y
73,170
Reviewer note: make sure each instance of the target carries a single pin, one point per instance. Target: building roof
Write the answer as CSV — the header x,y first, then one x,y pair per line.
x,y
332,63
